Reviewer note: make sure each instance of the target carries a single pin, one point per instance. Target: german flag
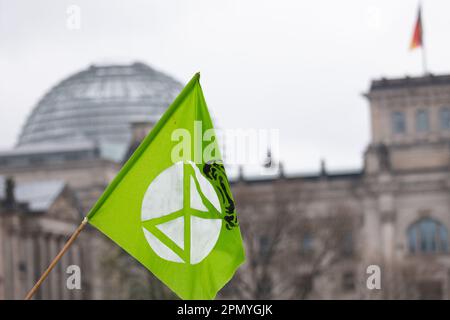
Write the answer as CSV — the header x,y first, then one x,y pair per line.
x,y
417,38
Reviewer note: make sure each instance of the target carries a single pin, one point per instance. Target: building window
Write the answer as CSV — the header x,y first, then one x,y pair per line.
x,y
264,246
430,290
445,118
36,160
348,281
398,122
427,236
306,246
264,287
348,244
22,266
422,121
305,284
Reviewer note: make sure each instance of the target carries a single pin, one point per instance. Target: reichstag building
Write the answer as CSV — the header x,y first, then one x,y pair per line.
x,y
306,236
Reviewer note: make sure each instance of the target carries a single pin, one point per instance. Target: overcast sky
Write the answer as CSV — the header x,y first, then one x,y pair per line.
x,y
297,66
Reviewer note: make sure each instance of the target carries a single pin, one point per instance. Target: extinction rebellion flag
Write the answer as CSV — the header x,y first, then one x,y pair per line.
x,y
170,206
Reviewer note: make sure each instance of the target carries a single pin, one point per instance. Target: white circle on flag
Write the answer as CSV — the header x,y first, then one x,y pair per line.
x,y
181,233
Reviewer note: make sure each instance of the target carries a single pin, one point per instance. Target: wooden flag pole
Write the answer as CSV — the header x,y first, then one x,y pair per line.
x,y
56,260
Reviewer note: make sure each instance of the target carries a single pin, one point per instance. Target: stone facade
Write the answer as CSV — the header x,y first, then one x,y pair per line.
x,y
31,236
398,206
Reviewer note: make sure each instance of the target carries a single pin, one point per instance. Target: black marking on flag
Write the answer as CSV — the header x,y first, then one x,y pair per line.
x,y
215,172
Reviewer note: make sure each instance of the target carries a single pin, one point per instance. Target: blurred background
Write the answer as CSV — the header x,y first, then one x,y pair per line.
x,y
362,162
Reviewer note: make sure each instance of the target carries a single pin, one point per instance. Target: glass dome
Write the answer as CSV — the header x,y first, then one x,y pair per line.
x,y
100,104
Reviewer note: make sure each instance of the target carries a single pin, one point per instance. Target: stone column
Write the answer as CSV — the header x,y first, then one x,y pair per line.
x,y
76,260
15,266
21,251
370,246
37,262
8,277
53,276
65,262
387,216
44,262
2,259
30,262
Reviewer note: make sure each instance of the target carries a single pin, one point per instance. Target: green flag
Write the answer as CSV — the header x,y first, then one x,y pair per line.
x,y
170,206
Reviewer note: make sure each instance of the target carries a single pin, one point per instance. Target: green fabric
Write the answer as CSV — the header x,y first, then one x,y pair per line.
x,y
119,211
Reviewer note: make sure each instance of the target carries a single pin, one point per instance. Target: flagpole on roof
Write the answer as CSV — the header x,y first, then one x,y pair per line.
x,y
424,61
424,52
417,40
66,247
